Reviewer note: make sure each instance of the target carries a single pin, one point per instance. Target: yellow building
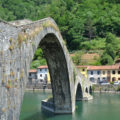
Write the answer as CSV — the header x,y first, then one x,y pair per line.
x,y
108,73
83,69
49,81
112,73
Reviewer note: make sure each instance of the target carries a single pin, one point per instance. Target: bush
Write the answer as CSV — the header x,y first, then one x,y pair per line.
x,y
93,87
106,59
111,82
95,44
118,88
77,57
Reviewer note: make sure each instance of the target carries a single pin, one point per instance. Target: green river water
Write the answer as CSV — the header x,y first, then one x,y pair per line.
x,y
102,107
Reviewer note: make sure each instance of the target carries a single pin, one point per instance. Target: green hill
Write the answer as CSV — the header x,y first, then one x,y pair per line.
x,y
84,24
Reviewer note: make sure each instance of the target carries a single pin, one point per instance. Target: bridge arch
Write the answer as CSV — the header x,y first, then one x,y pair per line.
x,y
86,90
90,89
79,92
21,43
58,69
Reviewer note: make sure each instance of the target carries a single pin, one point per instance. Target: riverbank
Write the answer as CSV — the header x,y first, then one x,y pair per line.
x,y
116,92
95,88
40,90
106,88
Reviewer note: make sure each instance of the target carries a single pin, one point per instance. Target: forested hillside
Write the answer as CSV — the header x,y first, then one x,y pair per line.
x,y
84,24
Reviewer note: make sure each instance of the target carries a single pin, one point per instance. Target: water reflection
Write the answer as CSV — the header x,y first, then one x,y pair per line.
x,y
79,110
102,107
39,116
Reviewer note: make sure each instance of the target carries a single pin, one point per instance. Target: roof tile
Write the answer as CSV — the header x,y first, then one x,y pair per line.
x,y
32,70
42,67
107,67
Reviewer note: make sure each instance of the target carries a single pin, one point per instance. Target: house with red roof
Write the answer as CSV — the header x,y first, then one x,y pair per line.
x,y
43,74
32,76
108,73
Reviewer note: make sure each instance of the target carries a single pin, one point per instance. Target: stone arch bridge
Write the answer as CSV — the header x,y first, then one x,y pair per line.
x,y
17,47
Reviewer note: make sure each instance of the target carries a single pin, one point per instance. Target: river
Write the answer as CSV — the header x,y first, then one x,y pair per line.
x,y
104,106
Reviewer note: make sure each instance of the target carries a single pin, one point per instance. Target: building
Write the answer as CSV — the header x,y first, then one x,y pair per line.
x,y
32,76
43,74
39,78
94,74
98,74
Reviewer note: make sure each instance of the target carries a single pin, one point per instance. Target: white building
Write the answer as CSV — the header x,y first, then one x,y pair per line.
x,y
32,76
94,75
42,73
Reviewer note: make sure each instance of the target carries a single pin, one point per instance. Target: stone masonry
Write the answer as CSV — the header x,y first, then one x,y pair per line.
x,y
17,47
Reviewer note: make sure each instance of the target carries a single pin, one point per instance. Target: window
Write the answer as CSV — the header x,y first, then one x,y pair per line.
x,y
46,78
104,78
92,79
40,69
108,72
113,72
45,69
83,69
41,80
98,80
103,72
113,79
29,74
98,72
40,75
18,69
118,72
91,72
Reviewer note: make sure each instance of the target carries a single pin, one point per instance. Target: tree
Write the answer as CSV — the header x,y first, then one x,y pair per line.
x,y
77,57
106,59
90,29
111,45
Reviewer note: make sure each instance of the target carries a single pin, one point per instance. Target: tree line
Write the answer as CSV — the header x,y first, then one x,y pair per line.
x,y
84,24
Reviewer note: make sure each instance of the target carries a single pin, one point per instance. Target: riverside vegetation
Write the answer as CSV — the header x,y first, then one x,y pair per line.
x,y
86,25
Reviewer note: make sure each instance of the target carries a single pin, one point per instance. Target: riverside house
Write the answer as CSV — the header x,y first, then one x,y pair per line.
x,y
32,75
39,78
40,75
43,74
98,74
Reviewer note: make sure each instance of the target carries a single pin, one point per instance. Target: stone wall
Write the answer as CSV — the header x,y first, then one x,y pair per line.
x,y
17,48
37,86
106,88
